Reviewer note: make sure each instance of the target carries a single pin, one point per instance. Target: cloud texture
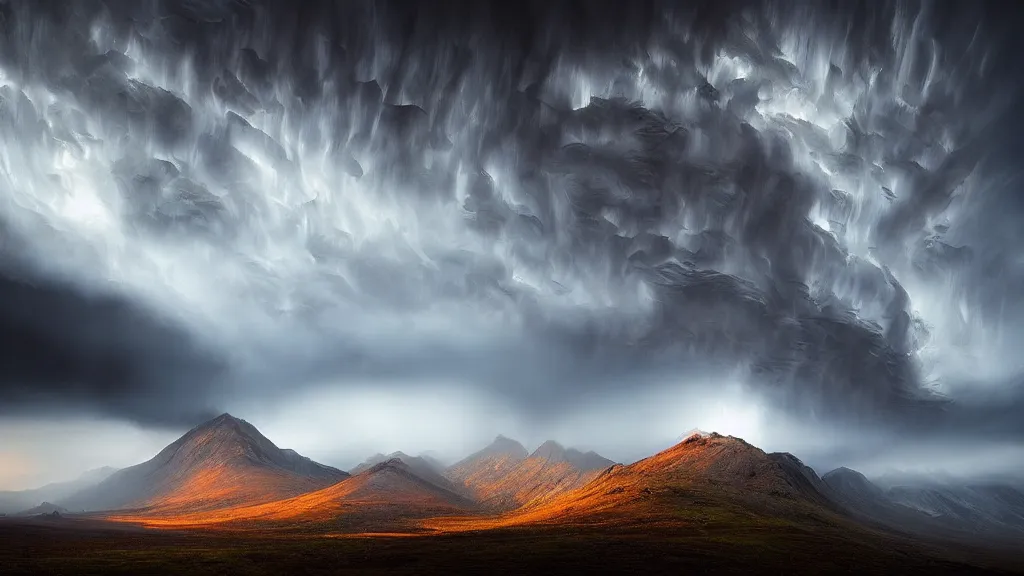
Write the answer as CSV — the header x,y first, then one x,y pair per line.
x,y
211,200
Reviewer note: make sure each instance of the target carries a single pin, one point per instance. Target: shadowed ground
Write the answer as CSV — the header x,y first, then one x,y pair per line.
x,y
715,538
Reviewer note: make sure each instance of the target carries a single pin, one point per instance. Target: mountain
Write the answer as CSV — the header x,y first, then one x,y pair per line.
x,y
373,461
386,494
426,468
427,465
221,463
503,477
488,466
44,508
938,508
732,465
852,486
16,501
433,461
979,507
704,474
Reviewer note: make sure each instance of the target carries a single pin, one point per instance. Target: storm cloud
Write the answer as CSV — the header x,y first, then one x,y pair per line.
x,y
546,201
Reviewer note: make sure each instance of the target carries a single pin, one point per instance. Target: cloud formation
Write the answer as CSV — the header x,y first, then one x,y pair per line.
x,y
545,202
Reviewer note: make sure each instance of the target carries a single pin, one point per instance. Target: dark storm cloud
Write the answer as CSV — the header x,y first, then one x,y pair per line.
x,y
64,348
679,195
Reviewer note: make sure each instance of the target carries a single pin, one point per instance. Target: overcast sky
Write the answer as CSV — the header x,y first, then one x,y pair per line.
x,y
370,226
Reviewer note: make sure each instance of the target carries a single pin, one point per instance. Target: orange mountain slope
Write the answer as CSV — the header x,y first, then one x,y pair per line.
x,y
385,493
508,483
485,468
702,472
223,463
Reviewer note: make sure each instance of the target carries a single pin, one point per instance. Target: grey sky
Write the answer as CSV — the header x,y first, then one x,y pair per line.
x,y
410,228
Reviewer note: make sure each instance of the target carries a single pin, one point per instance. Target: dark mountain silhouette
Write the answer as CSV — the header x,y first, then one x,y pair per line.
x,y
852,486
221,463
44,508
956,511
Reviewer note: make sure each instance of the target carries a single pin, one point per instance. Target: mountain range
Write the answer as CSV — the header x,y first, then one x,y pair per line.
x,y
503,476
225,472
15,501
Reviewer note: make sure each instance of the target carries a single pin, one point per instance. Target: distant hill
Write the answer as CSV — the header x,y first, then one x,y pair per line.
x,y
488,466
379,497
44,508
503,477
426,468
941,508
222,463
12,502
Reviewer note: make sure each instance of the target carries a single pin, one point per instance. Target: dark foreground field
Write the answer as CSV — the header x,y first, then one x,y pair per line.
x,y
73,546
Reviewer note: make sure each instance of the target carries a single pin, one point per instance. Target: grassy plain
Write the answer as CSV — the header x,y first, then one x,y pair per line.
x,y
714,540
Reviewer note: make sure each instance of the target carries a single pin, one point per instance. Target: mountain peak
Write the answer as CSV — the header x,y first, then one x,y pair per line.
x,y
389,464
46,508
224,419
378,459
488,465
505,445
849,482
730,461
502,481
554,452
549,450
843,471
230,432
222,461
501,439
697,434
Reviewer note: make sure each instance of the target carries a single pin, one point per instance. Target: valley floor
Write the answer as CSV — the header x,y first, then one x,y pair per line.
x,y
78,546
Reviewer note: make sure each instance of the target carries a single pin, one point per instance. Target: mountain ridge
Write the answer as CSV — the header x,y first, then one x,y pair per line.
x,y
702,470
215,464
504,476
225,470
14,501
932,507
386,494
425,468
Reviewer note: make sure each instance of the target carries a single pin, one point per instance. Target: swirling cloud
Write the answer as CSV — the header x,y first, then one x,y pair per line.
x,y
538,202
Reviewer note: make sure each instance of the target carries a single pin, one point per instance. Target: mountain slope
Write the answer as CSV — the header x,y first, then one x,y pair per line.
x,y
702,475
16,501
380,496
549,471
931,508
222,463
488,466
979,507
426,468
